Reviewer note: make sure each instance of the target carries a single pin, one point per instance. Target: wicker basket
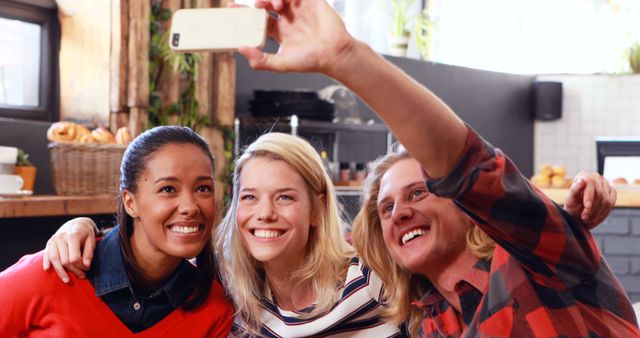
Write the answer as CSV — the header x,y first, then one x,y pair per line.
x,y
85,169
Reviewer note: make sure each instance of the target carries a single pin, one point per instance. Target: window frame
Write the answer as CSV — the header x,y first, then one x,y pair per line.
x,y
48,100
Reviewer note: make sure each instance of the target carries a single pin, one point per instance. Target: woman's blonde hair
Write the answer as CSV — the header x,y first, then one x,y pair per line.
x,y
327,258
402,287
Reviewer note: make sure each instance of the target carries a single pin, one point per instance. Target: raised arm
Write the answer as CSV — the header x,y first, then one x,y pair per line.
x,y
71,248
313,38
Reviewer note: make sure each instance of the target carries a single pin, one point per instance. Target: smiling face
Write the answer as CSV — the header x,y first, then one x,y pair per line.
x,y
274,212
173,207
421,231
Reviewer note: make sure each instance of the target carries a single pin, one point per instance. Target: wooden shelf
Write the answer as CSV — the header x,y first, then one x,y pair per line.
x,y
348,190
627,198
47,205
317,126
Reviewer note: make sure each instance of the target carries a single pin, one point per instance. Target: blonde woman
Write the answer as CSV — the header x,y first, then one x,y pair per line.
x,y
282,254
285,262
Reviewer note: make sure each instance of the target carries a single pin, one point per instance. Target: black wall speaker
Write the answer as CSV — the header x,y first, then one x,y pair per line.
x,y
547,100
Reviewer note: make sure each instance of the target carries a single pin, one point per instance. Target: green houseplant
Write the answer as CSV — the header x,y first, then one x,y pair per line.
x,y
404,23
400,18
634,57
422,31
25,169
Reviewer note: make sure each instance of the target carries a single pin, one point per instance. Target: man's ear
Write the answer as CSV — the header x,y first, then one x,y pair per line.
x,y
129,204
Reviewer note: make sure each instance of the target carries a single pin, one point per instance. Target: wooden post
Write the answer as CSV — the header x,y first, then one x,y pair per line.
x,y
170,87
224,84
203,76
138,65
118,64
138,117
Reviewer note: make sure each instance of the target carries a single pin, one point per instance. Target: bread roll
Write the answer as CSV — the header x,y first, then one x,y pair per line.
x,y
636,181
87,138
559,170
123,136
81,133
558,181
546,170
541,181
62,132
103,136
620,180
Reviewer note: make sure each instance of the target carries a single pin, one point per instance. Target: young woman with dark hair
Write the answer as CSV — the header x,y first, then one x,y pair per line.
x,y
141,282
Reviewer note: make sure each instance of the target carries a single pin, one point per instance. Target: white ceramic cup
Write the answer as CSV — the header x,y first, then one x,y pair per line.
x,y
10,183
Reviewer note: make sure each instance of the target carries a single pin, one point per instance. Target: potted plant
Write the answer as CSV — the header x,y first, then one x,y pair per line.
x,y
634,57
400,31
422,30
404,23
26,170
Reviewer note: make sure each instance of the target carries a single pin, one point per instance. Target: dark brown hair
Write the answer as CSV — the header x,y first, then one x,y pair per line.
x,y
134,162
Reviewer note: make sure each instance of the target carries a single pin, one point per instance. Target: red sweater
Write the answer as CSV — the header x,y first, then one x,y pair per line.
x,y
35,303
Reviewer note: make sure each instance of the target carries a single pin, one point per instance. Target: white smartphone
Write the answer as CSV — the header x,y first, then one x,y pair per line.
x,y
217,29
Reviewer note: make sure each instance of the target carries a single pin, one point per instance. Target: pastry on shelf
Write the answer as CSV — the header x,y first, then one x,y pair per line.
x,y
552,177
62,132
103,136
559,181
542,181
82,133
620,180
123,136
546,170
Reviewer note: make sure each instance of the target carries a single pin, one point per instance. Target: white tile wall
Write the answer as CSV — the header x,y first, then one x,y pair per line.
x,y
593,105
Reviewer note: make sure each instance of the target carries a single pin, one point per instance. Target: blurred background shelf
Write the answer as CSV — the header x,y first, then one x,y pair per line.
x,y
53,205
627,197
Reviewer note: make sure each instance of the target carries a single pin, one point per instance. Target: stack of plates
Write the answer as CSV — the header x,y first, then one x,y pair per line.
x,y
281,103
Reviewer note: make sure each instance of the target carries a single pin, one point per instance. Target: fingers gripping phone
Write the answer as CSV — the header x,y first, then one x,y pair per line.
x,y
217,29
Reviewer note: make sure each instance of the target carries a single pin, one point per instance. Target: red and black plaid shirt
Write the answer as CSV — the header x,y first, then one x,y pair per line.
x,y
547,277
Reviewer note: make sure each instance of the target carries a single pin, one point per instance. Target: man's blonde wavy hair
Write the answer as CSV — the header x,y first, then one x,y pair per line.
x,y
402,287
327,258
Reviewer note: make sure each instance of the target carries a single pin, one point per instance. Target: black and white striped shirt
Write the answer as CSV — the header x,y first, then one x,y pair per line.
x,y
355,314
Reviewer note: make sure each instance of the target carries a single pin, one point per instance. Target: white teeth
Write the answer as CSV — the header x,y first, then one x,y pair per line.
x,y
185,230
412,234
260,233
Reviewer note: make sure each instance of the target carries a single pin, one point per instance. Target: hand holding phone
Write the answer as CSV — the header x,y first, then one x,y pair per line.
x,y
217,29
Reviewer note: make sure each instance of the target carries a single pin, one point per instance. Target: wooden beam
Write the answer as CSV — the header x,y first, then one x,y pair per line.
x,y
224,88
203,76
224,84
170,86
138,118
138,54
124,53
115,85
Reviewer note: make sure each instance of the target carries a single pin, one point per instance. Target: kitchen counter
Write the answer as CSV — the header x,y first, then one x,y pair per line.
x,y
53,205
628,197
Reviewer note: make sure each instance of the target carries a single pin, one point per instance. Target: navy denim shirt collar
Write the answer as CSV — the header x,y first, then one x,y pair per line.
x,y
108,273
